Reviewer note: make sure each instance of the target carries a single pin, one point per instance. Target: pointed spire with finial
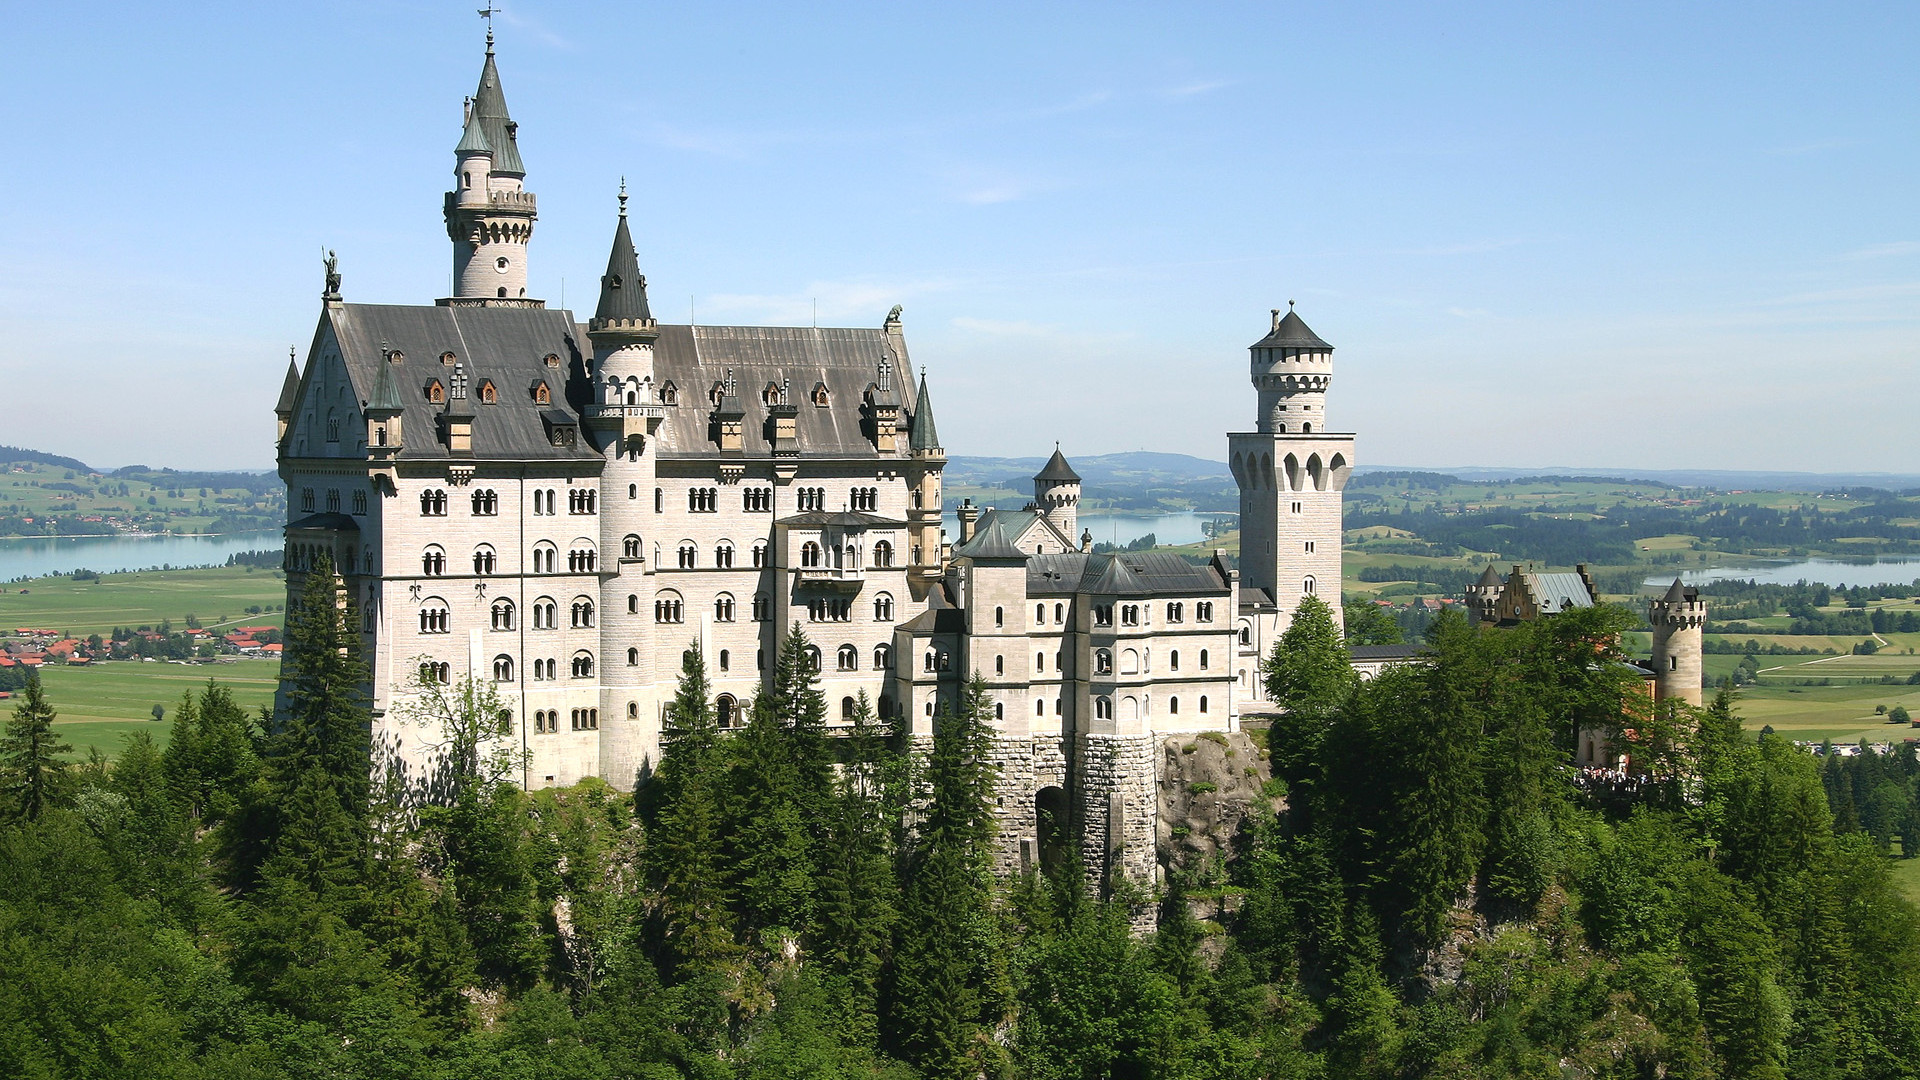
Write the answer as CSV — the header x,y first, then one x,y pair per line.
x,y
290,387
924,436
623,289
490,108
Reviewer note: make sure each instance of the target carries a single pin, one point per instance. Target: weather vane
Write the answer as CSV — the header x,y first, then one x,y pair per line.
x,y
488,13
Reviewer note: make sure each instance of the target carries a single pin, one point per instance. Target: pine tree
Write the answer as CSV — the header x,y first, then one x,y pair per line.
x,y
857,901
771,843
1308,677
325,725
801,708
30,753
941,956
686,803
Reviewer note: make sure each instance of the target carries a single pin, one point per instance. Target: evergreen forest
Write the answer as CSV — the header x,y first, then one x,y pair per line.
x,y
1428,888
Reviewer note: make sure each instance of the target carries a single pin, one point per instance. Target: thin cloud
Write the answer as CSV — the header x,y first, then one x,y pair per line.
x,y
1883,251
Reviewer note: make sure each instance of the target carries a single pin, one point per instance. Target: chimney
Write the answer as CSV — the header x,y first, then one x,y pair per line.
x,y
969,517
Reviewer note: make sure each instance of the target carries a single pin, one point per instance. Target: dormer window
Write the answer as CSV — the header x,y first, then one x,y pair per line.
x,y
488,395
771,395
552,360
669,394
448,358
541,395
436,393
819,395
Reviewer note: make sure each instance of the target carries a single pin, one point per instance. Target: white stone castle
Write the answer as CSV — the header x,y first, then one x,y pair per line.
x,y
562,508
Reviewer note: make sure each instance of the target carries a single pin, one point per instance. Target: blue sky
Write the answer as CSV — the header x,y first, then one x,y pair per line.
x,y
1599,235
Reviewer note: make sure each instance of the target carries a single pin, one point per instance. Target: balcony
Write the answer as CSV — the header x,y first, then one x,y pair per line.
x,y
832,577
642,412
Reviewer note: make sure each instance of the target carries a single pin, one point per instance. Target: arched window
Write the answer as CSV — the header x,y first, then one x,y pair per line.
x,y
502,615
1308,586
999,616
1203,703
503,668
883,607
849,709
1173,660
1173,706
630,547
723,555
545,557
848,658
433,616
1039,661
488,395
882,657
582,612
1103,708
1203,662
581,558
1203,611
810,554
486,503
1102,662
813,657
546,614
926,662
435,672
633,604
726,710
433,503
882,553
1246,634
483,560
723,608
725,660
433,561
633,657
583,665
1175,612
668,607
761,606
689,555
1059,613
436,393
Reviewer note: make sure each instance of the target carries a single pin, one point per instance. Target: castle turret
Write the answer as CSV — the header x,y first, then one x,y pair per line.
x,y
489,214
1679,619
925,462
289,397
1056,493
1483,597
1291,471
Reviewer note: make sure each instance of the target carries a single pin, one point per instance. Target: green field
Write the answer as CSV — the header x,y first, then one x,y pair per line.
x,y
98,706
152,500
217,597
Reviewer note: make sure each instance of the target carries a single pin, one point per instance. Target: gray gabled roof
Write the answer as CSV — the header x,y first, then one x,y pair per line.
x,y
1132,573
289,390
490,107
1488,577
623,292
924,435
1558,592
1292,332
991,544
504,346
1057,469
843,519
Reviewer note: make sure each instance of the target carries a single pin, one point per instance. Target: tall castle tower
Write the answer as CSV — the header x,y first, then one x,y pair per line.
x,y
1678,619
489,213
1291,472
624,416
1056,493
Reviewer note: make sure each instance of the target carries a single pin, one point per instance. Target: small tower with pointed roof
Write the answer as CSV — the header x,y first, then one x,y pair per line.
x,y
925,461
1056,493
489,213
1291,471
289,397
1483,597
1679,619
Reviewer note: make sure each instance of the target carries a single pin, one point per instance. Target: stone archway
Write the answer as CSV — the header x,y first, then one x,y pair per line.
x,y
1051,819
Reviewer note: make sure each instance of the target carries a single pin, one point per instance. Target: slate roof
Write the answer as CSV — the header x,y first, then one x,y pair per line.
x,y
924,435
1019,524
941,617
473,138
505,345
623,292
490,105
1488,577
1057,469
845,359
991,544
851,519
1292,332
335,521
1383,652
386,396
1133,573
1558,591
289,390
1676,593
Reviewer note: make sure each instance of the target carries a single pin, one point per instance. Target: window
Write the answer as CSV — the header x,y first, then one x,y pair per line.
x,y
544,555
436,393
756,500
723,608
882,553
726,710
630,547
306,501
1039,661
333,500
1173,706
866,499
1203,611
1102,662
811,498
585,719
1039,614
581,559
1176,612
669,608
486,503
810,554
483,560
633,604
1309,547
546,614
1059,613
669,393
433,616
488,395
583,501
1103,615
689,555
813,657
1307,586
1203,704
433,561
543,670
659,501
759,554
883,608
503,668
433,503
723,555
882,657
633,657
633,491
1103,708
1130,615
582,612
1173,660
848,658
501,617
999,665
583,665
1296,508
828,609
703,500
541,395
440,673
761,605
1203,664
725,660
1246,634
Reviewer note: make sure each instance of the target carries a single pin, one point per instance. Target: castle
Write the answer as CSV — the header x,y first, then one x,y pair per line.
x,y
722,484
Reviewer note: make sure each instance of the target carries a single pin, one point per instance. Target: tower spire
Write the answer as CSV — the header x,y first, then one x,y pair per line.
x,y
623,289
489,213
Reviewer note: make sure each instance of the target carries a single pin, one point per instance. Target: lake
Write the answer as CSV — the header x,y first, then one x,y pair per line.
x,y
38,556
1820,571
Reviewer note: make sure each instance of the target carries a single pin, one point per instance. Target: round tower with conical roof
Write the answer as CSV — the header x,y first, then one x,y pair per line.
x,y
1056,493
489,212
1679,620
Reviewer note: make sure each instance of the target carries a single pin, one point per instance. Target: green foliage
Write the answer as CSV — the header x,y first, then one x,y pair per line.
x,y
31,773
1370,624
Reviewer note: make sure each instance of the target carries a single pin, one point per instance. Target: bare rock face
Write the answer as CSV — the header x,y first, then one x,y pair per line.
x,y
1209,785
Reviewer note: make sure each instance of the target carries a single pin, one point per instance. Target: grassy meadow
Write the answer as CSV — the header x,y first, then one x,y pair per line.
x,y
217,597
99,706
155,500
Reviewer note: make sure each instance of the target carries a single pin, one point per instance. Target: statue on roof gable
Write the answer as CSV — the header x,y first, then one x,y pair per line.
x,y
332,262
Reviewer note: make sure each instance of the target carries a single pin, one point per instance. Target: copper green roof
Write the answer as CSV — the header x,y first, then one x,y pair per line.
x,y
386,396
990,544
924,435
474,139
490,108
